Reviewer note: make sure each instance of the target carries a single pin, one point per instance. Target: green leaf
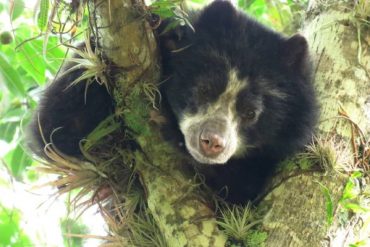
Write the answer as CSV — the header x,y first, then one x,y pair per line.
x,y
18,8
329,203
165,8
10,122
359,244
351,191
243,4
8,52
198,1
9,226
355,207
42,18
14,114
11,231
32,175
357,174
106,127
11,77
18,161
7,131
55,54
29,58
257,8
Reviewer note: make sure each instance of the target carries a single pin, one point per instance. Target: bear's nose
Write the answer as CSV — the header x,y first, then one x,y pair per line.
x,y
212,144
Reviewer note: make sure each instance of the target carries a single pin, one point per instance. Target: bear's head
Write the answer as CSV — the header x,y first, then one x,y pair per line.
x,y
235,86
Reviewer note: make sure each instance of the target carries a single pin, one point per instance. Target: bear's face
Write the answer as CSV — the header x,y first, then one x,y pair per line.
x,y
218,113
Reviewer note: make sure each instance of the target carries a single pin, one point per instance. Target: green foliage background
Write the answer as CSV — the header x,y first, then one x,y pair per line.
x,y
25,69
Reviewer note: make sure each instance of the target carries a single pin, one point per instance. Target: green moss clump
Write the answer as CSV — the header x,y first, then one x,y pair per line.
x,y
136,116
255,239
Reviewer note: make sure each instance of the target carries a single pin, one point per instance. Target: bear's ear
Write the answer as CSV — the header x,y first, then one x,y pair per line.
x,y
173,36
218,14
295,52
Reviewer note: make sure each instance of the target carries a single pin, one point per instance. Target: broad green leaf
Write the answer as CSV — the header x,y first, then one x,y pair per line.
x,y
55,55
7,131
15,114
17,161
18,8
29,58
11,77
8,52
10,120
27,79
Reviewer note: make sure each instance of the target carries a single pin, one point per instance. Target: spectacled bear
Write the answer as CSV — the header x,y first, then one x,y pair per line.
x,y
240,94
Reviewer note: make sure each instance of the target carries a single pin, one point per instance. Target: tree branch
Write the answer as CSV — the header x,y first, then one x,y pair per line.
x,y
129,43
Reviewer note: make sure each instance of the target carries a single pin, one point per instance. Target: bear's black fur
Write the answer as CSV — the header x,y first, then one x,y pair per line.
x,y
270,98
67,113
278,73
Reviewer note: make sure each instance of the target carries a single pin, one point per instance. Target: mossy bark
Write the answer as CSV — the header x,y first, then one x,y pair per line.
x,y
129,43
339,41
298,208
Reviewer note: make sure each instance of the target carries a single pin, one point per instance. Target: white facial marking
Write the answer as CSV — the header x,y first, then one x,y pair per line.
x,y
223,111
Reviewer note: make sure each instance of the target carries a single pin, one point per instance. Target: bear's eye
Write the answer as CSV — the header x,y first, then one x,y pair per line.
x,y
249,115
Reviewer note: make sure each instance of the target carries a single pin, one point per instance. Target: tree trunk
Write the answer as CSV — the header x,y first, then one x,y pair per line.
x,y
299,209
339,43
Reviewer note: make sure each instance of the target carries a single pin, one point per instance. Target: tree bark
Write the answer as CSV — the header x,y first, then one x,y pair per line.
x,y
298,207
